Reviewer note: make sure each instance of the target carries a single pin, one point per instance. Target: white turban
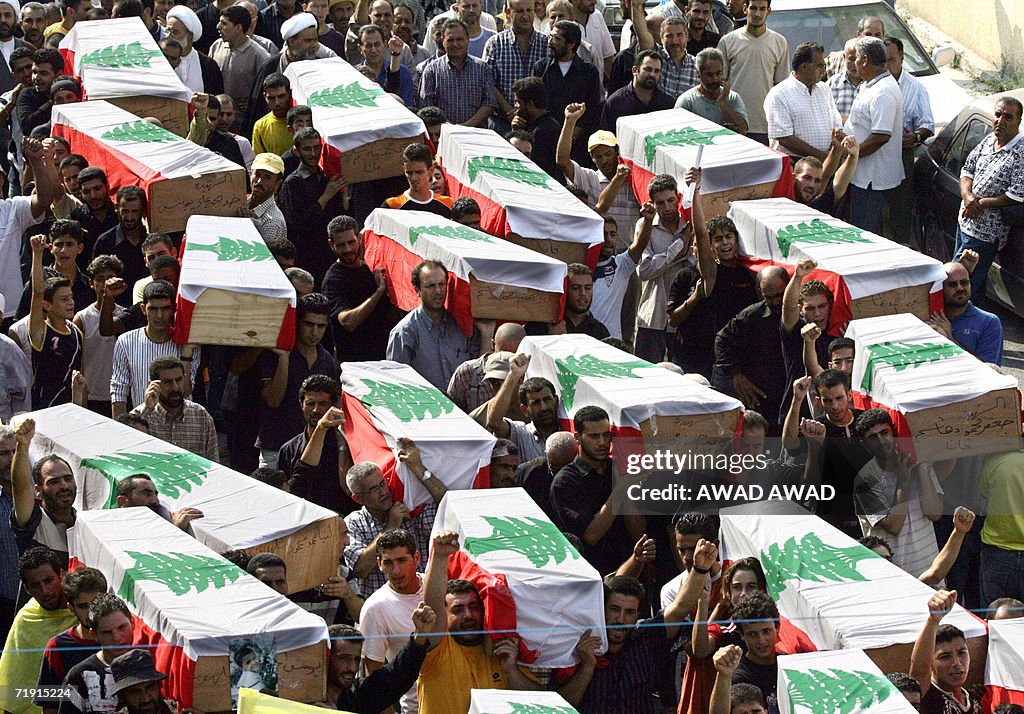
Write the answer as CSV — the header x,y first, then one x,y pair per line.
x,y
296,24
14,4
188,18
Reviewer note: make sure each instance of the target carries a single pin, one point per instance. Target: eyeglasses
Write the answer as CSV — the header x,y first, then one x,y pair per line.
x,y
380,489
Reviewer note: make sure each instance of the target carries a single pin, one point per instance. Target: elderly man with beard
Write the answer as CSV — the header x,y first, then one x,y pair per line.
x,y
195,70
173,418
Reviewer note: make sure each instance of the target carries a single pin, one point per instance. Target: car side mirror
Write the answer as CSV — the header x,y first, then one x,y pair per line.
x,y
943,55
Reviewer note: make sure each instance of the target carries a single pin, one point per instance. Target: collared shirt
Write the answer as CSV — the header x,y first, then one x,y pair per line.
x,y
624,209
527,440
363,528
193,430
878,109
980,333
676,79
995,173
318,484
507,61
269,220
468,388
664,256
115,242
133,353
279,424
597,34
749,344
917,109
843,91
435,351
459,93
806,114
625,103
239,65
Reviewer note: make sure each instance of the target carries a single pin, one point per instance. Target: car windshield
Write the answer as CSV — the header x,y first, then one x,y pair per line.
x,y
833,26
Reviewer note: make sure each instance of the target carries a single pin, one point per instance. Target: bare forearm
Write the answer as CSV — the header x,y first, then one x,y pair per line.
x,y
599,524
801,147
873,143
351,319
314,448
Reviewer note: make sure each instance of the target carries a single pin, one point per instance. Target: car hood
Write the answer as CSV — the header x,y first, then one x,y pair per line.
x,y
947,98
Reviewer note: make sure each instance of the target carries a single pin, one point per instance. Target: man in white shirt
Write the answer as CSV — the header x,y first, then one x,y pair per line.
x,y
596,33
801,111
876,122
612,273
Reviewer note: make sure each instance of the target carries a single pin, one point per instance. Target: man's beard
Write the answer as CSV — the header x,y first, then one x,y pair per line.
x,y
6,32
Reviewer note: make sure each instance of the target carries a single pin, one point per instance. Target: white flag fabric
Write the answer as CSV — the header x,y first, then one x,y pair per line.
x,y
350,110
840,680
1004,668
842,595
504,701
556,593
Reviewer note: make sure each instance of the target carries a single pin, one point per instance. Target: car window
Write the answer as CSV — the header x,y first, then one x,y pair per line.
x,y
831,27
963,144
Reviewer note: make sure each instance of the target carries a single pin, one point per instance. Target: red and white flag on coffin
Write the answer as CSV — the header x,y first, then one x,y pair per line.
x,y
830,590
399,240
505,701
904,366
193,603
854,263
515,195
531,579
668,142
118,58
228,255
837,681
1004,668
387,400
350,110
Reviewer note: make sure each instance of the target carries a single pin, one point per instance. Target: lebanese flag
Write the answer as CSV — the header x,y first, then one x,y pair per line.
x,y
229,255
532,581
1004,670
854,263
840,680
516,196
399,240
387,400
196,607
903,366
832,592
119,58
666,142
134,153
505,701
643,401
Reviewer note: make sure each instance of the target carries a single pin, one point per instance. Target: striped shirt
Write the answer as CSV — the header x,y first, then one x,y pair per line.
x,y
459,93
917,109
676,79
133,354
507,61
193,430
843,92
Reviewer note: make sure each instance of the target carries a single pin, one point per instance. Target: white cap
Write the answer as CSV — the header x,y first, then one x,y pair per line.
x,y
296,24
188,18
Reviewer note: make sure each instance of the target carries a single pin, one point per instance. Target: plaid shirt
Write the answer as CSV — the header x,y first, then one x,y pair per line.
x,y
194,431
994,173
459,93
468,388
507,62
363,528
674,79
843,92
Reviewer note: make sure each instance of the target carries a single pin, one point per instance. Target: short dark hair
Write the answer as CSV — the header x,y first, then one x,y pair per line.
x,y
276,80
465,206
570,33
340,224
460,587
83,580
895,41
815,287
587,415
67,227
872,541
841,343
869,419
1013,102
616,342
647,54
320,383
662,182
430,264
37,557
1008,708
804,54
904,682
453,23
754,607
313,304
365,29
132,192
166,362
50,56
417,152
237,15
297,111
21,53
281,248
579,269
431,116
520,134
830,378
37,467
71,159
1010,603
745,693
720,223
304,134
92,173
159,263
700,524
397,538
106,604
270,476
532,89
103,263
126,486
158,290
948,633
623,585
127,8
130,419
237,557
265,560
346,633
154,238
52,285
749,564
535,384
754,420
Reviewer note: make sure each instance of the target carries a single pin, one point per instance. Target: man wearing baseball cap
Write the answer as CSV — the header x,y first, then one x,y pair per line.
x,y
137,684
267,175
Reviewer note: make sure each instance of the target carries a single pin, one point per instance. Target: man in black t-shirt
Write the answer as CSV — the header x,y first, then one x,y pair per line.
x,y
757,619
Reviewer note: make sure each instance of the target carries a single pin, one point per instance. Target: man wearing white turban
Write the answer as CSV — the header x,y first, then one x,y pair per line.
x,y
10,12
196,71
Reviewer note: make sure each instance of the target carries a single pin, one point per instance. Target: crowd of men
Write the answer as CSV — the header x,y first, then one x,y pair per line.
x,y
88,294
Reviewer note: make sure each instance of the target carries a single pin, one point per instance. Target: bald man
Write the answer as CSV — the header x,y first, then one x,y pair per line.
x,y
468,388
537,474
867,26
977,331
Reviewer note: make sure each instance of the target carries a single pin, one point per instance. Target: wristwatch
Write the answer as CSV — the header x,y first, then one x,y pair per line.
x,y
426,476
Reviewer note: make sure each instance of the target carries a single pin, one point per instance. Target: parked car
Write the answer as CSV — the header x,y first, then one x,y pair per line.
x,y
937,198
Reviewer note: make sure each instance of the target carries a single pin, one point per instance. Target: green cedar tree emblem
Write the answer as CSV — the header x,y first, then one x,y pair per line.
x,y
525,708
903,355
235,250
811,560
173,474
345,96
684,136
117,56
408,402
572,368
180,572
510,169
456,232
836,691
537,539
140,132
817,232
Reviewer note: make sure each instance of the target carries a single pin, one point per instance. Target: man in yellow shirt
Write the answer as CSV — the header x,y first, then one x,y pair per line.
x,y
270,134
1002,537
72,11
